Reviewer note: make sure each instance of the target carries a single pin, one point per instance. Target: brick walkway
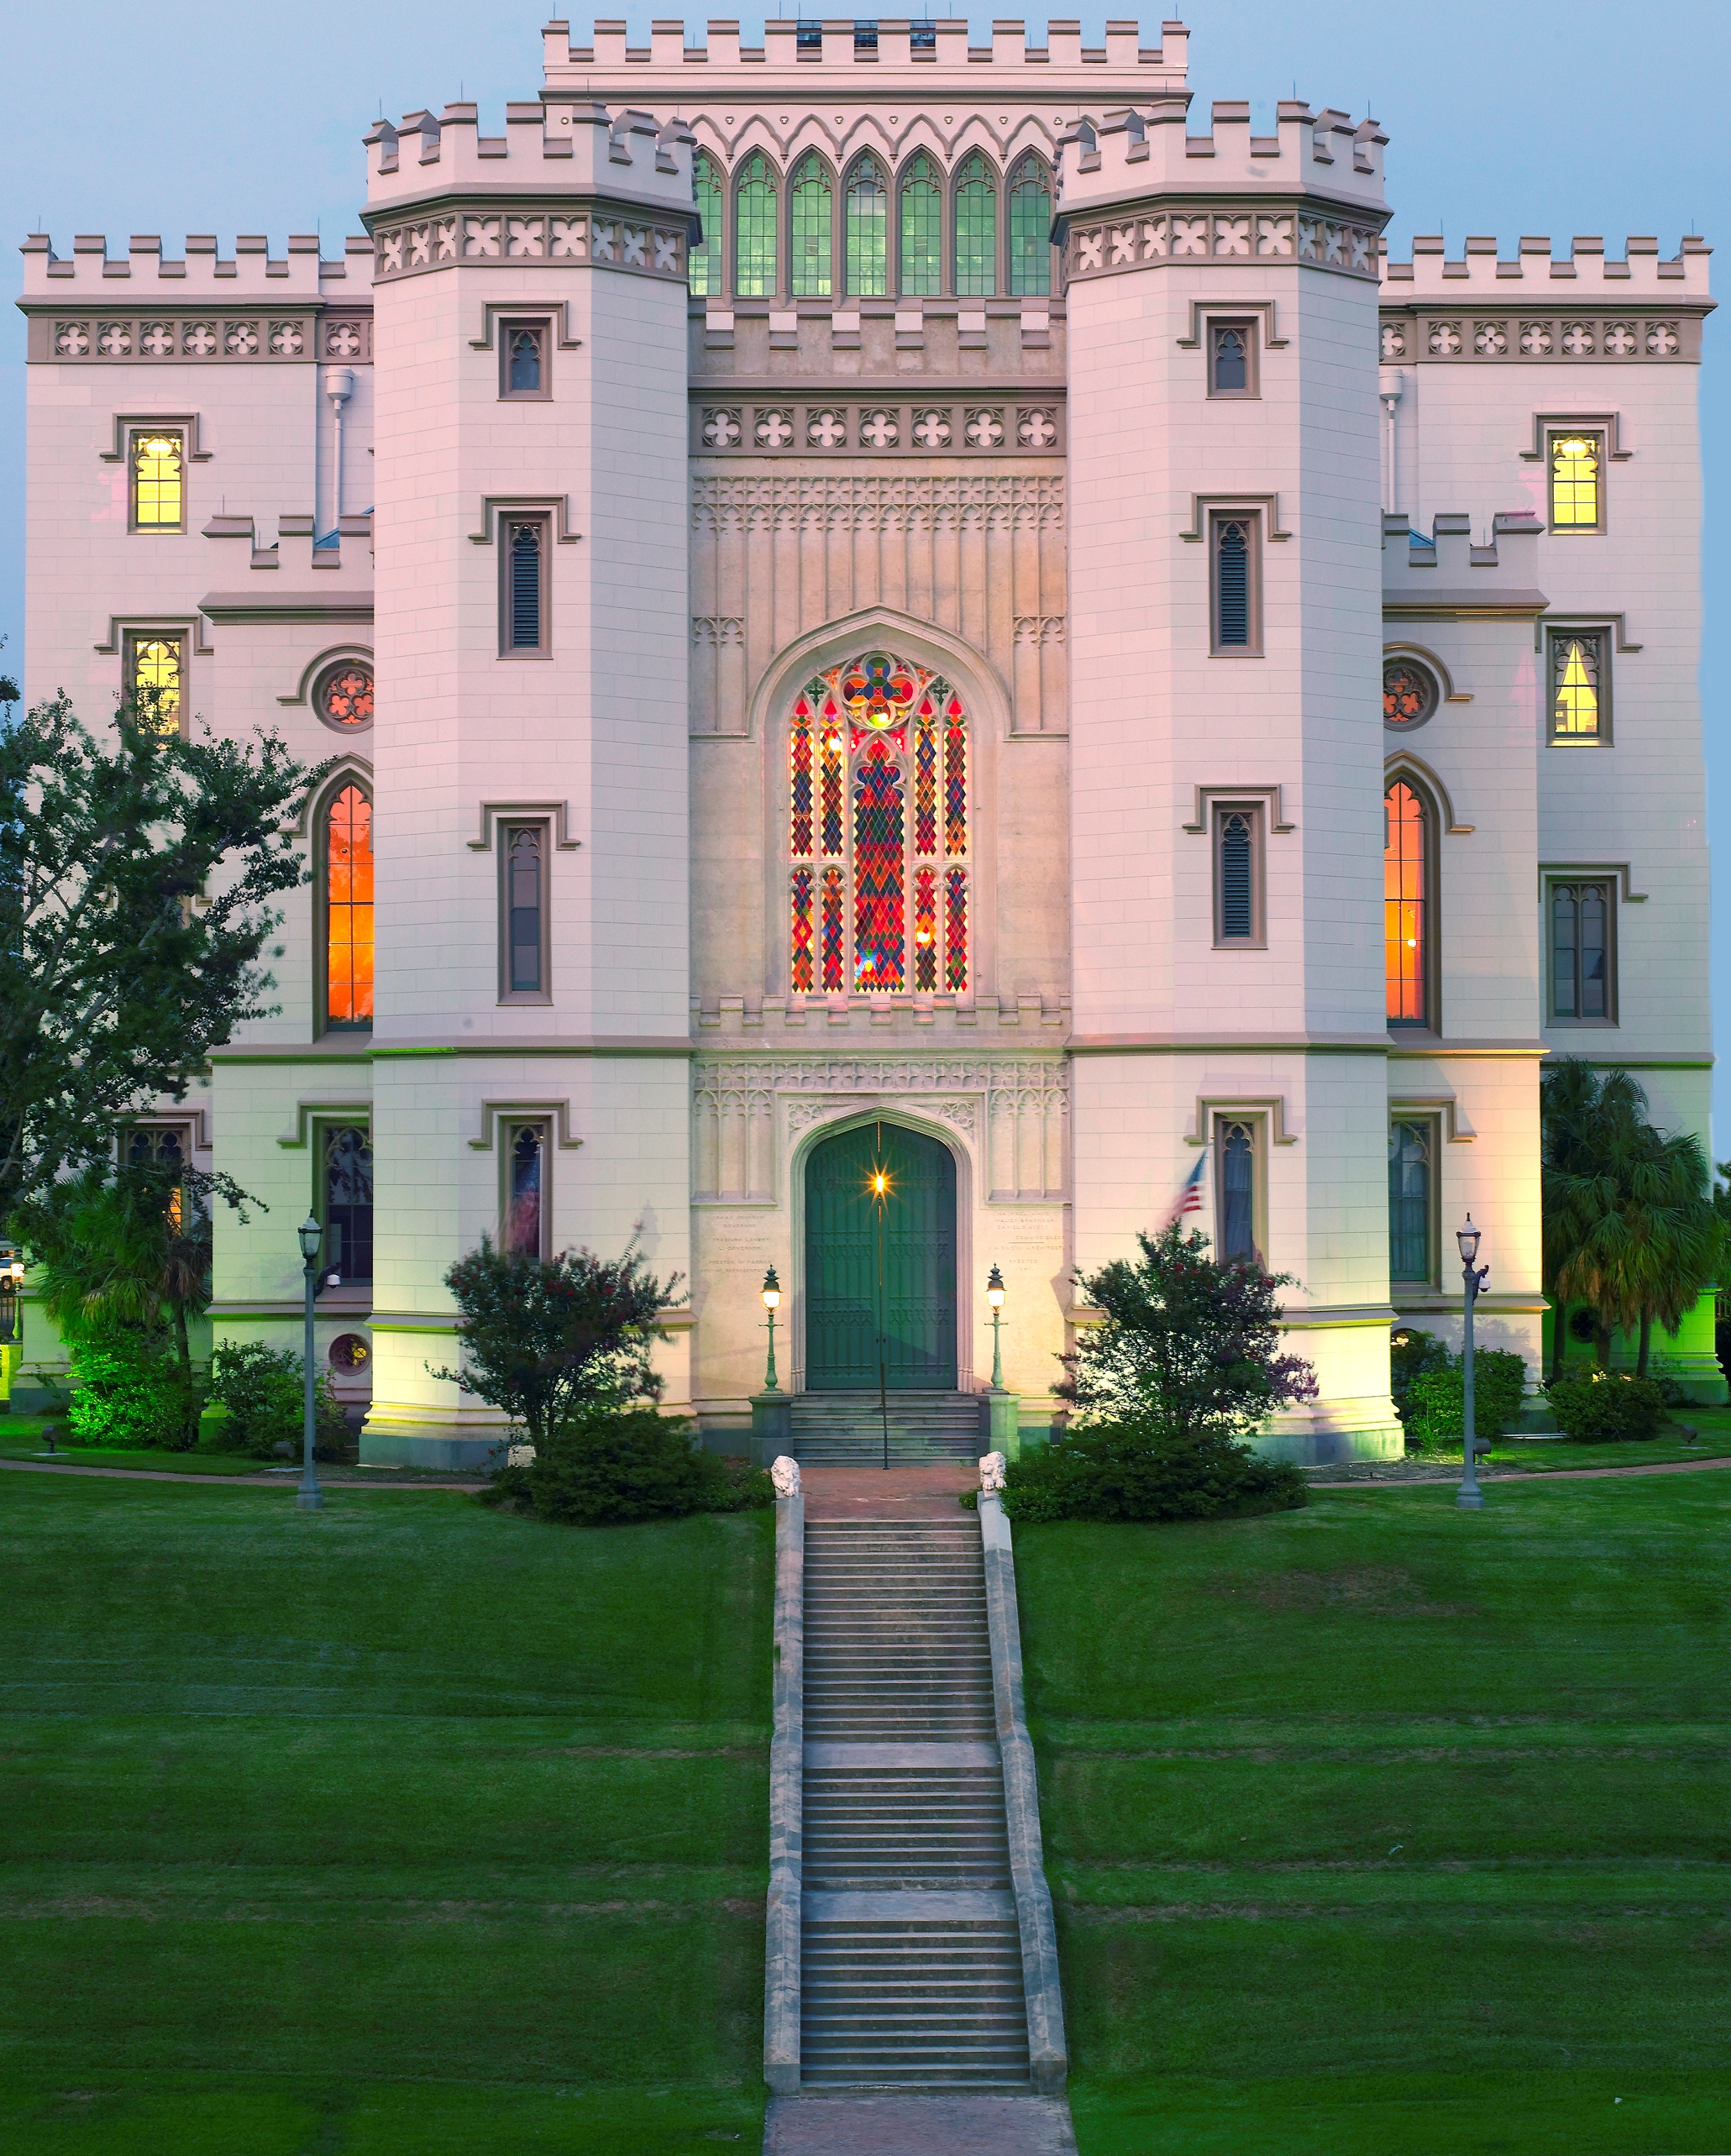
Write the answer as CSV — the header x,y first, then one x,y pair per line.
x,y
919,2126
888,1493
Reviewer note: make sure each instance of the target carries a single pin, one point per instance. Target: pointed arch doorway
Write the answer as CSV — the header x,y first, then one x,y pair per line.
x,y
880,1262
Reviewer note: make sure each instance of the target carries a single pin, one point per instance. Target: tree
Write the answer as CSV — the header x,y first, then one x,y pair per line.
x,y
135,879
552,1340
1190,1350
1631,1228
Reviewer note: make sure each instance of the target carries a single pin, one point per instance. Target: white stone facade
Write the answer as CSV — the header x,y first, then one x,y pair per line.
x,y
1020,488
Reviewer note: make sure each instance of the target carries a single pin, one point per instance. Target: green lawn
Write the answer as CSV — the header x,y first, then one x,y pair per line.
x,y
398,1827
1383,1828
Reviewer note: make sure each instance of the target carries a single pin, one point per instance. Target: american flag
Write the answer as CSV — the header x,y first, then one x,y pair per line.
x,y
1189,1197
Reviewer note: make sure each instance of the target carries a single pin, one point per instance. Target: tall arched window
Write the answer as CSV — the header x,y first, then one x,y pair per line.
x,y
1029,228
811,216
976,230
754,229
867,268
348,909
879,833
349,1201
1406,904
921,230
703,265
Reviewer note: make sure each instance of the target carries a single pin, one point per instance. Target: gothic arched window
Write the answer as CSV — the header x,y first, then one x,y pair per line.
x,y
1029,228
811,220
879,833
867,213
703,265
754,229
348,909
921,230
1406,904
976,230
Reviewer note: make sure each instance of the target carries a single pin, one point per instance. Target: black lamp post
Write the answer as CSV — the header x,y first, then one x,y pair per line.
x,y
995,1296
772,1304
309,1498
1468,1496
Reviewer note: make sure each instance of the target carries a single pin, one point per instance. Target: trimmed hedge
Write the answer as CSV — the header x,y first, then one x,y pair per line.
x,y
1434,1409
629,1465
1116,1471
262,1388
1607,1409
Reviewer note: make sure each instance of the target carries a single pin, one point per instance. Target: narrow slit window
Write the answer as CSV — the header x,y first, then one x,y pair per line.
x,y
525,357
976,230
348,1201
1580,952
154,683
1577,710
1029,229
754,230
1236,626
868,230
525,596
1576,493
525,1193
1232,358
703,265
348,909
1410,1153
525,908
1236,1208
1406,909
1236,875
921,230
812,221
159,502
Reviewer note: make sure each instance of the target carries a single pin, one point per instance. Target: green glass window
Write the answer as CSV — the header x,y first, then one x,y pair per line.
x,y
1029,228
813,217
1410,1152
976,231
868,227
754,230
921,230
703,271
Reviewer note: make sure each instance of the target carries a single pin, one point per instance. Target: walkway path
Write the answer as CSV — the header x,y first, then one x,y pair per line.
x,y
287,1479
920,2126
1527,1474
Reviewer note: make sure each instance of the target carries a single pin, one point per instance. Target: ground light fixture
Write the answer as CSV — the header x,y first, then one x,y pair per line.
x,y
1469,1496
995,1296
771,1292
309,1498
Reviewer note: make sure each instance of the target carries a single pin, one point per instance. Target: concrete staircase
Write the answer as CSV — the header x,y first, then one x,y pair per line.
x,y
910,1949
845,1429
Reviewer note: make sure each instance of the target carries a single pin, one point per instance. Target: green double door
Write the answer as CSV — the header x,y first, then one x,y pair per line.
x,y
880,1262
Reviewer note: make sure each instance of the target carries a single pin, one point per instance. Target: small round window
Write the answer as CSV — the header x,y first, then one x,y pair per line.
x,y
1410,693
344,695
350,1352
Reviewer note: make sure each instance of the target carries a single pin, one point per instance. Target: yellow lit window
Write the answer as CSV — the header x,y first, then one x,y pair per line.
x,y
158,498
1575,689
1575,461
155,689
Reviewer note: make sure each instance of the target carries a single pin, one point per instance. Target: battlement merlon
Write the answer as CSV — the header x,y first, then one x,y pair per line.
x,y
1131,155
252,272
883,57
1430,277
559,145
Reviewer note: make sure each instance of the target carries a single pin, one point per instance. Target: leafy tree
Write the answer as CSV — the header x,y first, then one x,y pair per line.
x,y
555,1340
1630,1229
136,874
1190,1347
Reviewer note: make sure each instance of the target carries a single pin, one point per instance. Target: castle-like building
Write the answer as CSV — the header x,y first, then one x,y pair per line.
x,y
888,611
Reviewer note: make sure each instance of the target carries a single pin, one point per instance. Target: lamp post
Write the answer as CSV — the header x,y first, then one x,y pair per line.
x,y
1468,1496
309,1497
995,1296
772,1304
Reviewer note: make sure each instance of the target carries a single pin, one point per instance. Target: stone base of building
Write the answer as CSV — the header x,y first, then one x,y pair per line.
x,y
1333,1432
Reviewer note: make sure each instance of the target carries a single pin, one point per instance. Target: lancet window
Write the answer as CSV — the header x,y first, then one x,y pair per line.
x,y
1029,228
754,229
867,225
812,219
878,778
1406,905
976,230
921,230
348,909
703,265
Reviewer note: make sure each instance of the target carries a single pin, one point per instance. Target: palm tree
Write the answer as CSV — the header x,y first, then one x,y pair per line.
x,y
1630,1228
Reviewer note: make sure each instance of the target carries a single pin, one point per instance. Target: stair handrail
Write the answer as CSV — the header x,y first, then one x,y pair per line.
x,y
787,1764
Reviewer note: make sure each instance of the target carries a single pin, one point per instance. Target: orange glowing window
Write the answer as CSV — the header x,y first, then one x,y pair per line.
x,y
348,904
1404,905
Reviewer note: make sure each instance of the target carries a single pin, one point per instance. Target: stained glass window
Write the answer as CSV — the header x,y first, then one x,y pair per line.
x,y
348,1201
1236,1150
155,689
878,828
703,265
976,230
345,696
525,1209
921,230
1575,482
1029,228
812,218
1405,905
157,493
1574,687
1409,1153
867,225
348,909
1410,693
754,230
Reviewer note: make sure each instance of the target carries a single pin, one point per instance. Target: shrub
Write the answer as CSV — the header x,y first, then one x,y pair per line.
x,y
626,1464
1607,1410
262,1389
1413,1354
1119,1472
132,1395
1435,1406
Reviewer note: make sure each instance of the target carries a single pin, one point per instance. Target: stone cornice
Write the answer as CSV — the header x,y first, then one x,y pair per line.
x,y
1172,229
1505,329
92,332
558,230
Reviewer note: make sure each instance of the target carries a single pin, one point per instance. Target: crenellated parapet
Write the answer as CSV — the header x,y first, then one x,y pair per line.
x,y
1483,267
1140,190
250,272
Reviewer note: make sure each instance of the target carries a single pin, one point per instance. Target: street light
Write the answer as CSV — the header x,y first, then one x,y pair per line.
x,y
995,1296
1468,1496
772,1304
309,1498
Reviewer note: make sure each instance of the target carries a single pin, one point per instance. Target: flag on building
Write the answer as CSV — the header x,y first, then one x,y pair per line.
x,y
1189,1197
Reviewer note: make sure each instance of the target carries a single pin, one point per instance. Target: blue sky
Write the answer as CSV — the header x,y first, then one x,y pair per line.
x,y
1555,116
